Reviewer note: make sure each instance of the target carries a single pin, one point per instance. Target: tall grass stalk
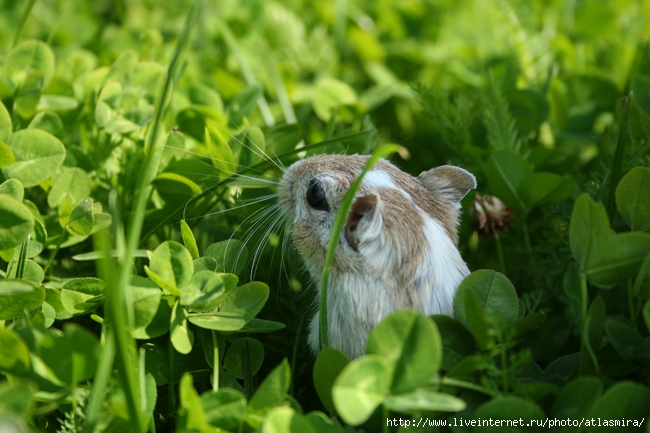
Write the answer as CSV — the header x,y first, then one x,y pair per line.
x,y
100,383
339,221
118,309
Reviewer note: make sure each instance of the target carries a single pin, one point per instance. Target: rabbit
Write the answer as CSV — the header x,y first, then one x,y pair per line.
x,y
398,249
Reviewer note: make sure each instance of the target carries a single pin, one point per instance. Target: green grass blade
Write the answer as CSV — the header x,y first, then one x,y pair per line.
x,y
118,309
100,383
23,21
280,89
339,221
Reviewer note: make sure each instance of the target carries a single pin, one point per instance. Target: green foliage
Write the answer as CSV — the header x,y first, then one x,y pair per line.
x,y
118,120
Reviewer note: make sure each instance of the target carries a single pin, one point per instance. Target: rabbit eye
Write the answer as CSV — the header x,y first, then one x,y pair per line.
x,y
316,196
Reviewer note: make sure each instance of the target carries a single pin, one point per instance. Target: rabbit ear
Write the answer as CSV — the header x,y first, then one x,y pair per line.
x,y
365,220
448,181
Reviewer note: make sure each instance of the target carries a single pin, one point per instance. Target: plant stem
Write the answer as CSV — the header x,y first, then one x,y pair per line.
x,y
215,361
466,385
56,250
502,263
23,21
617,165
142,359
170,386
583,333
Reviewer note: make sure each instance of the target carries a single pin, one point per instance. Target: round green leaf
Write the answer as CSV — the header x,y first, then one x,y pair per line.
x,y
360,388
14,353
505,172
17,400
410,343
6,155
562,369
627,341
589,224
13,188
271,393
329,364
286,420
577,398
89,286
49,122
16,222
32,272
624,400
179,333
457,342
57,103
82,218
246,300
224,408
191,416
71,355
508,408
260,326
329,94
37,239
16,296
146,299
26,58
77,303
234,360
205,264
424,400
156,363
495,294
5,122
231,255
544,188
38,155
202,292
222,155
159,325
173,263
607,258
189,241
73,184
633,198
225,322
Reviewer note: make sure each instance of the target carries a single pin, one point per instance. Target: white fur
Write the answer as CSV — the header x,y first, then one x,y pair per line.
x,y
446,269
380,178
